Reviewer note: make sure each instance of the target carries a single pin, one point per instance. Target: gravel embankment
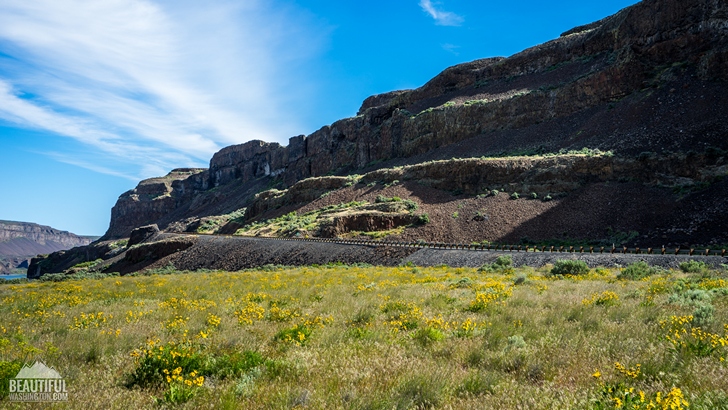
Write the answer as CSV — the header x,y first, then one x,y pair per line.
x,y
235,253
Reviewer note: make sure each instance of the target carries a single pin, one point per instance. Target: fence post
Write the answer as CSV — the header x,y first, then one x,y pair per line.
x,y
637,250
691,251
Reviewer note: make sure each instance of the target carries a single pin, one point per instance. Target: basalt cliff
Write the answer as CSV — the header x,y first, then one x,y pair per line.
x,y
615,131
20,241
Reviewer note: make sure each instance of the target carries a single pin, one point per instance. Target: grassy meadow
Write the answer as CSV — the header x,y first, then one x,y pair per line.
x,y
362,337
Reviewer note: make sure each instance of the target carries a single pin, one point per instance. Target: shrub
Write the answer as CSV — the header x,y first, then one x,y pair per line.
x,y
455,215
428,335
638,270
569,267
515,195
534,195
402,315
494,192
693,266
235,364
8,370
606,298
411,205
381,199
703,314
502,265
696,296
423,219
516,342
462,283
181,366
547,198
298,334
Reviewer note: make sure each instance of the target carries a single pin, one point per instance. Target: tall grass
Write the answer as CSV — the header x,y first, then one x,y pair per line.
x,y
373,337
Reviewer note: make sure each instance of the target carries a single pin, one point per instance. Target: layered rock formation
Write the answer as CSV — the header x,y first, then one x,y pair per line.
x,y
19,241
650,79
24,238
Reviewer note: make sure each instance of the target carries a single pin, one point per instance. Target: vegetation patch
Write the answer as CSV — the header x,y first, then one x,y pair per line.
x,y
386,216
413,337
569,267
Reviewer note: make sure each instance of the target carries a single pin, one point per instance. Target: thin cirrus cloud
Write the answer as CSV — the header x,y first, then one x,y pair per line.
x,y
442,18
151,85
451,48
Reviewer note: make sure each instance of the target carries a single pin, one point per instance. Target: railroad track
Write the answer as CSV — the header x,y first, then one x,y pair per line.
x,y
505,248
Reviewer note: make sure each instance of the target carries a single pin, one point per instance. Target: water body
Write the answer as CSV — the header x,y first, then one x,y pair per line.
x,y
8,277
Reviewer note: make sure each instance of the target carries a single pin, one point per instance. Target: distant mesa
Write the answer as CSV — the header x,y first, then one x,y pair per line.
x,y
20,241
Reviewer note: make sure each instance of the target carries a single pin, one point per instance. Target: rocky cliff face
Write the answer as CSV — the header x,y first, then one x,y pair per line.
x,y
19,241
42,236
651,78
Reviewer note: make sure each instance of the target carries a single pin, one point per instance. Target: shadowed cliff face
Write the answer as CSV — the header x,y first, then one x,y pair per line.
x,y
653,77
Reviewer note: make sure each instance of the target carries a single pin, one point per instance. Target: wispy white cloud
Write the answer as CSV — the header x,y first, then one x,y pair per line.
x,y
66,159
151,84
450,48
442,18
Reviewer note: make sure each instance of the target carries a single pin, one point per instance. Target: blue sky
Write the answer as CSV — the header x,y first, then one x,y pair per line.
x,y
96,95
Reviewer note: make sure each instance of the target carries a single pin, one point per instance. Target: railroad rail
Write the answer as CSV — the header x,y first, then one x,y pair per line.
x,y
506,248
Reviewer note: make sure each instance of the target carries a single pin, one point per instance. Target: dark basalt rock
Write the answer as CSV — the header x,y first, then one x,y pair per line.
x,y
142,234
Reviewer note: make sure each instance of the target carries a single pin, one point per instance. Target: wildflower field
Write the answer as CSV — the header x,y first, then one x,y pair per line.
x,y
365,337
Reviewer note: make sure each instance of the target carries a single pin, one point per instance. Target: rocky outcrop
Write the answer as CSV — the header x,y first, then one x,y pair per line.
x,y
552,175
303,191
366,222
652,77
154,198
157,250
61,261
142,234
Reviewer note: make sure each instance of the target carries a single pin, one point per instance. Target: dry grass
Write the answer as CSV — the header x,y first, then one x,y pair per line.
x,y
375,337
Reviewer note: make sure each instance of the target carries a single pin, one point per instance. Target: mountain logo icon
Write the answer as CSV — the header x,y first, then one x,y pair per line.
x,y
38,370
37,383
